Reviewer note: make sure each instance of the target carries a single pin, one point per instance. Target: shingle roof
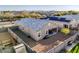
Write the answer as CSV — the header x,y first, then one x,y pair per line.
x,y
35,24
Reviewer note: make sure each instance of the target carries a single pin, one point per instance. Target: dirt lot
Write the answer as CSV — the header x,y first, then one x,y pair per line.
x,y
5,42
5,38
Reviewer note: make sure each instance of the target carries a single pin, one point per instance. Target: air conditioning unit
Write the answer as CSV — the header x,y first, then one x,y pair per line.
x,y
20,48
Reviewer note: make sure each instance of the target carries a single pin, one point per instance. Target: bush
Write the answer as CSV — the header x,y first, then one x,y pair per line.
x,y
65,30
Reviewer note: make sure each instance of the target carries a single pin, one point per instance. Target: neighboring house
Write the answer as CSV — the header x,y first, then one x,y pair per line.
x,y
37,28
67,20
74,20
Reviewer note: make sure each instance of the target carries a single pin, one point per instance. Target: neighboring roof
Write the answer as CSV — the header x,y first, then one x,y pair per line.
x,y
70,17
65,18
44,18
35,24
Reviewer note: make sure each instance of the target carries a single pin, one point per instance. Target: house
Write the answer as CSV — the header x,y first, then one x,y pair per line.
x,y
37,28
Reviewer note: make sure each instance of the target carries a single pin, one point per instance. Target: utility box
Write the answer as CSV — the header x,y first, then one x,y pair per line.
x,y
20,48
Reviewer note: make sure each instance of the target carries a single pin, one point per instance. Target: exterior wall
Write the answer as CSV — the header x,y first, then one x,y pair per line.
x,y
72,38
26,30
7,25
19,40
34,34
48,27
74,23
14,36
57,48
50,51
78,21
42,34
78,33
62,45
60,24
2,29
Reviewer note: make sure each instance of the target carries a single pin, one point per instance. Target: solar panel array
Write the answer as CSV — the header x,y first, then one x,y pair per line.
x,y
56,18
65,18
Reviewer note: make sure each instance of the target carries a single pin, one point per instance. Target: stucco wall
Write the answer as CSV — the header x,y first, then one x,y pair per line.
x,y
62,44
19,40
34,33
57,48
14,36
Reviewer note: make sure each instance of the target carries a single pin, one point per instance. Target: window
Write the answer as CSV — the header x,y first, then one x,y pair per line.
x,y
66,26
69,43
39,35
54,30
46,32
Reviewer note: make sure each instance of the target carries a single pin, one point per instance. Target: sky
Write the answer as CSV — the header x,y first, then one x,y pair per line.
x,y
38,7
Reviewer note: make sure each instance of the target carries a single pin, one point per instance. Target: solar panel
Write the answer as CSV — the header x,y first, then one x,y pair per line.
x,y
58,18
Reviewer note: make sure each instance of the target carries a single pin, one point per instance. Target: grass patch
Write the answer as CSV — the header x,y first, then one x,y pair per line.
x,y
75,49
